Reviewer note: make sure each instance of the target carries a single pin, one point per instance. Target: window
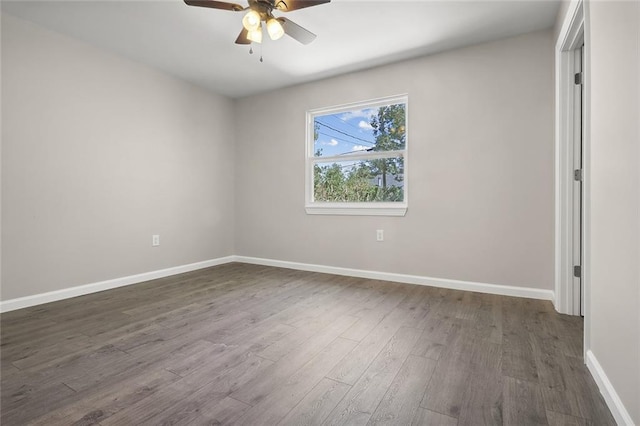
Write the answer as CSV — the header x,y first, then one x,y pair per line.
x,y
357,158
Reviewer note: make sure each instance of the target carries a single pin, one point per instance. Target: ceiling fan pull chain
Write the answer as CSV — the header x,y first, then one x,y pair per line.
x,y
250,50
261,54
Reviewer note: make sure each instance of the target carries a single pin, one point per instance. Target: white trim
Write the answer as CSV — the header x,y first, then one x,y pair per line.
x,y
620,413
52,296
571,35
370,103
586,182
348,210
359,155
503,290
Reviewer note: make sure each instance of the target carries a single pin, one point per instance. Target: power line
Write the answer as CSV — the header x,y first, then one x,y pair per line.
x,y
345,133
351,163
345,121
354,152
339,138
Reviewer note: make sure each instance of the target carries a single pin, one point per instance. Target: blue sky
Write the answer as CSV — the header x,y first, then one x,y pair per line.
x,y
346,132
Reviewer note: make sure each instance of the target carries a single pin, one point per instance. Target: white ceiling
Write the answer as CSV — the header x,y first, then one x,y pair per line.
x,y
197,44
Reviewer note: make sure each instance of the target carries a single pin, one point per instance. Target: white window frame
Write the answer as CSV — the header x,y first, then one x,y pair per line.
x,y
360,209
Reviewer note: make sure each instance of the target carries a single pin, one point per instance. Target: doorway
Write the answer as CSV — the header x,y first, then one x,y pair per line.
x,y
571,179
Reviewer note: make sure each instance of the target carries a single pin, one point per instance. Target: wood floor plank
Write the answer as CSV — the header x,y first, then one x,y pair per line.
x,y
523,403
518,359
230,377
303,332
265,344
426,417
551,363
418,304
275,406
97,406
570,333
142,411
353,365
113,370
67,370
369,318
33,401
214,393
482,400
268,310
427,348
437,328
256,390
445,392
338,292
35,356
224,412
359,404
401,402
182,363
317,404
557,419
233,367
581,398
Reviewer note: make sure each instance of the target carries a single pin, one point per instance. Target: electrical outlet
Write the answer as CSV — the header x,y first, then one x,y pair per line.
x,y
380,235
155,240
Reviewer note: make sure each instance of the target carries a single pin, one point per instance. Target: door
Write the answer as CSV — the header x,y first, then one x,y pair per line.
x,y
578,293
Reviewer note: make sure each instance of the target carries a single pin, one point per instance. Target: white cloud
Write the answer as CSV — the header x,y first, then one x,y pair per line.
x,y
364,125
359,148
332,142
360,113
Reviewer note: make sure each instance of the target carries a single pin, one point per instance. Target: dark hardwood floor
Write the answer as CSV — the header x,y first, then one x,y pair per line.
x,y
253,345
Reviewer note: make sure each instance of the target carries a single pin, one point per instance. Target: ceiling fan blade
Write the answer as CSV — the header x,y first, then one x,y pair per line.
x,y
296,32
289,5
242,37
215,5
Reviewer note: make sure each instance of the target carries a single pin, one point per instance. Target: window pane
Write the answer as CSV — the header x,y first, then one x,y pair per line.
x,y
369,129
380,180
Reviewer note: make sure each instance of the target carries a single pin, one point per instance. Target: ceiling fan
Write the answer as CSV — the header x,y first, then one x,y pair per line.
x,y
260,11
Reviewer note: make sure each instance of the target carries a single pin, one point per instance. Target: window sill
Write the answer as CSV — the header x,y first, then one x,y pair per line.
x,y
381,209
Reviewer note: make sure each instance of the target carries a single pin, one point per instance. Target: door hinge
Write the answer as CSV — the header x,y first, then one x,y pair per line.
x,y
578,78
577,175
577,271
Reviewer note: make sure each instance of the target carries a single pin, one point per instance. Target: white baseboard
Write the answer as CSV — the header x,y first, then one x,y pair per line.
x,y
52,296
38,299
503,290
620,413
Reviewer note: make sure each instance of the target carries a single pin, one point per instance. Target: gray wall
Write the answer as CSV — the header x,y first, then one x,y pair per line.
x,y
481,188
614,39
99,153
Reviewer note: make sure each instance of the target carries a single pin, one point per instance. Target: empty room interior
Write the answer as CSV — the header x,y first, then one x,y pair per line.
x,y
320,212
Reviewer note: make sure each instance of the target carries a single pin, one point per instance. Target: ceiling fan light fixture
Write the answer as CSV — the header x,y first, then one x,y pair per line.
x,y
251,20
255,35
274,28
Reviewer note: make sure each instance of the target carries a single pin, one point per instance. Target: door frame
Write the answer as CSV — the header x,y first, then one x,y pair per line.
x,y
572,35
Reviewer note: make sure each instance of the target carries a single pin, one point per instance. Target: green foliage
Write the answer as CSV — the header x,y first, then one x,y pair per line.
x,y
389,128
358,182
334,183
389,131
